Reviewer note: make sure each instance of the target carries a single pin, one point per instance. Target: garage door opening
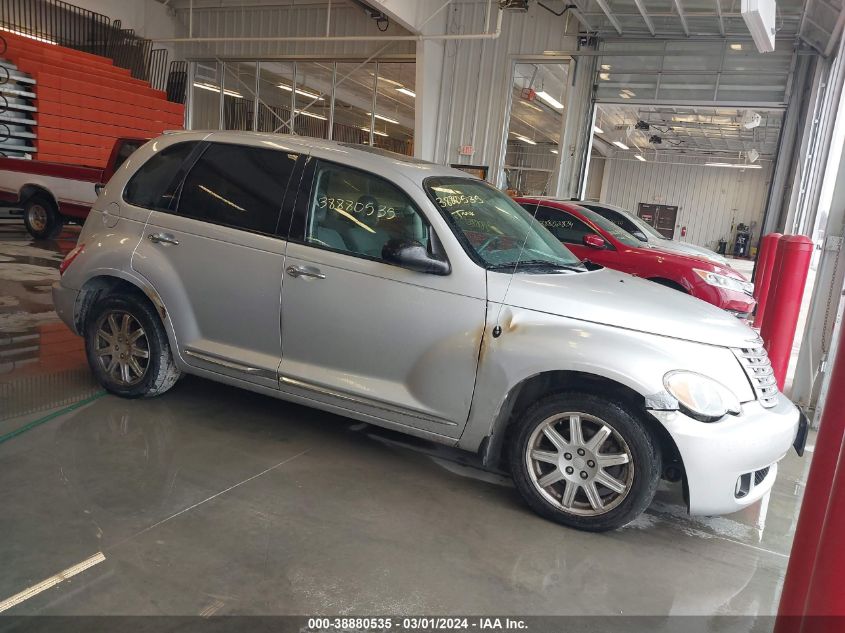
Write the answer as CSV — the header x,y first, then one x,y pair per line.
x,y
699,174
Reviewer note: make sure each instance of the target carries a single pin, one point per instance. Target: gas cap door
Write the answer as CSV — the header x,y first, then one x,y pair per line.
x,y
111,214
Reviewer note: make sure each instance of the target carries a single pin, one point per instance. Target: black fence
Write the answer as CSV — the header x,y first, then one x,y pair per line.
x,y
83,30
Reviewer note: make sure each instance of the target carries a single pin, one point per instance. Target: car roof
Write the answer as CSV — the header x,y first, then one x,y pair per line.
x,y
373,159
603,205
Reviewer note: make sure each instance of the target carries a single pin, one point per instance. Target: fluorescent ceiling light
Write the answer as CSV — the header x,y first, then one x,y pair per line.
x,y
28,36
525,139
384,118
639,157
736,47
377,133
620,145
554,151
311,114
597,130
405,91
624,96
605,66
629,92
604,76
545,96
213,88
304,93
734,165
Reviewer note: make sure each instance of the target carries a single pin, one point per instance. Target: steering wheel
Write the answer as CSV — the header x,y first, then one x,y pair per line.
x,y
488,242
314,240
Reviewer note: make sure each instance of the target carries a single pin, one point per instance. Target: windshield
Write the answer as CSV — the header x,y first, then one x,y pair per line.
x,y
495,227
627,221
611,227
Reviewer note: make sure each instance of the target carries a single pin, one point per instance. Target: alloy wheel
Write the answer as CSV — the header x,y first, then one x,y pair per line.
x,y
122,348
37,217
580,463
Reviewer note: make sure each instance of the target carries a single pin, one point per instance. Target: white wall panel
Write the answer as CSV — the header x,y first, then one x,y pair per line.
x,y
710,199
477,76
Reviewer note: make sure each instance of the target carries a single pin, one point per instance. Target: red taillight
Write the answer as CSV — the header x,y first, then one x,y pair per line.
x,y
70,257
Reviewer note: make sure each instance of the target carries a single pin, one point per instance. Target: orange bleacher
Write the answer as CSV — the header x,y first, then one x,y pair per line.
x,y
85,102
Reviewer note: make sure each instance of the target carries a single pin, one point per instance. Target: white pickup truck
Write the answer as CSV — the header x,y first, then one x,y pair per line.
x,y
51,194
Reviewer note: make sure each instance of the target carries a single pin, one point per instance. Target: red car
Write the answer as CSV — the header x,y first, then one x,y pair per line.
x,y
598,240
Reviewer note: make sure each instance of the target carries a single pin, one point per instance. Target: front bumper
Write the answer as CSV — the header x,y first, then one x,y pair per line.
x,y
731,464
64,300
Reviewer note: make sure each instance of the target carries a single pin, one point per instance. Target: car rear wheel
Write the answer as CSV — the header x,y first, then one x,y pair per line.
x,y
42,218
127,348
585,462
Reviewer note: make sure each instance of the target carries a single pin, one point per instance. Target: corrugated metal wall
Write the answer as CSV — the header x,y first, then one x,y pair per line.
x,y
477,77
281,21
709,199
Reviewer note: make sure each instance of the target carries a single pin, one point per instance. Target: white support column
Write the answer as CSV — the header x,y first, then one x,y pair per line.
x,y
429,75
576,127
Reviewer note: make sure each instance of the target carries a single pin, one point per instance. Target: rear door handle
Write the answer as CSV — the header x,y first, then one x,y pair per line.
x,y
163,238
305,271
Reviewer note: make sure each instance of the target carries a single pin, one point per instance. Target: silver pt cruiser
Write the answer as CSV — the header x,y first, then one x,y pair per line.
x,y
417,298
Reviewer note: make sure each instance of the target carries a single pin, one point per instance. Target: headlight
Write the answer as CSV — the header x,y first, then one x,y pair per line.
x,y
699,396
723,281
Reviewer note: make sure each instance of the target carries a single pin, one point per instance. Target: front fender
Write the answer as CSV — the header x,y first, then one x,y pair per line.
x,y
533,343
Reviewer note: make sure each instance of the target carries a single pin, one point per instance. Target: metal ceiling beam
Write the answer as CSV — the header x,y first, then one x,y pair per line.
x,y
646,18
837,32
680,7
610,17
721,19
577,10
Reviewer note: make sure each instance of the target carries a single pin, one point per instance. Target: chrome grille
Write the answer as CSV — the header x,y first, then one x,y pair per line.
x,y
758,368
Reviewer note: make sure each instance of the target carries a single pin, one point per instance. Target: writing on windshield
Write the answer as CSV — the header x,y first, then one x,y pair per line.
x,y
498,231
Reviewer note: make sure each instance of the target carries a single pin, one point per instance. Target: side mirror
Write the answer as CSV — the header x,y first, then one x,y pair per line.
x,y
640,236
594,241
412,255
98,188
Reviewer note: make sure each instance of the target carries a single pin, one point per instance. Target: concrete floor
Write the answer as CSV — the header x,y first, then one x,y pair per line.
x,y
211,500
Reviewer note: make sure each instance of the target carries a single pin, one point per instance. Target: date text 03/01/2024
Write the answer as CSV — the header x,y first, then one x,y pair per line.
x,y
413,624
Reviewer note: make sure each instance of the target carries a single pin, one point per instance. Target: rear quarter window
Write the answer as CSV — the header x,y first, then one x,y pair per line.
x,y
153,186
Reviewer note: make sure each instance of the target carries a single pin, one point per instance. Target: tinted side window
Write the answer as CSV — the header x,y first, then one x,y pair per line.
x,y
153,185
564,226
359,213
237,186
618,219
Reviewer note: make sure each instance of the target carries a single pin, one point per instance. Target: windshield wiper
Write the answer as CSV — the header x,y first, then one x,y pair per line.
x,y
537,263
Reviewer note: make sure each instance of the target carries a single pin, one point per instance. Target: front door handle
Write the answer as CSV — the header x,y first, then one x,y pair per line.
x,y
163,238
305,271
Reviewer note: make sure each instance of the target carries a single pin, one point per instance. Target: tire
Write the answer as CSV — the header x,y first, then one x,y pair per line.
x,y
153,371
634,481
41,217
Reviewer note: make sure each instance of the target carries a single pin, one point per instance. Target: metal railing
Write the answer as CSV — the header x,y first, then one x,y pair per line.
x,y
67,25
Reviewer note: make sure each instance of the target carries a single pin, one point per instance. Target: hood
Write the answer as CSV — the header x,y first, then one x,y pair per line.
x,y
612,298
690,250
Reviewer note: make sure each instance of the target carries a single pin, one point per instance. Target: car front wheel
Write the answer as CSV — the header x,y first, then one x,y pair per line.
x,y
585,462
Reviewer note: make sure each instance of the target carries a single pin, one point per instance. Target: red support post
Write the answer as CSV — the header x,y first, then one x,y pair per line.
x,y
763,276
789,275
815,577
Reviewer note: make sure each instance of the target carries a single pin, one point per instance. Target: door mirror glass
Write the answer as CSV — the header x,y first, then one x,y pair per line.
x,y
412,255
594,241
